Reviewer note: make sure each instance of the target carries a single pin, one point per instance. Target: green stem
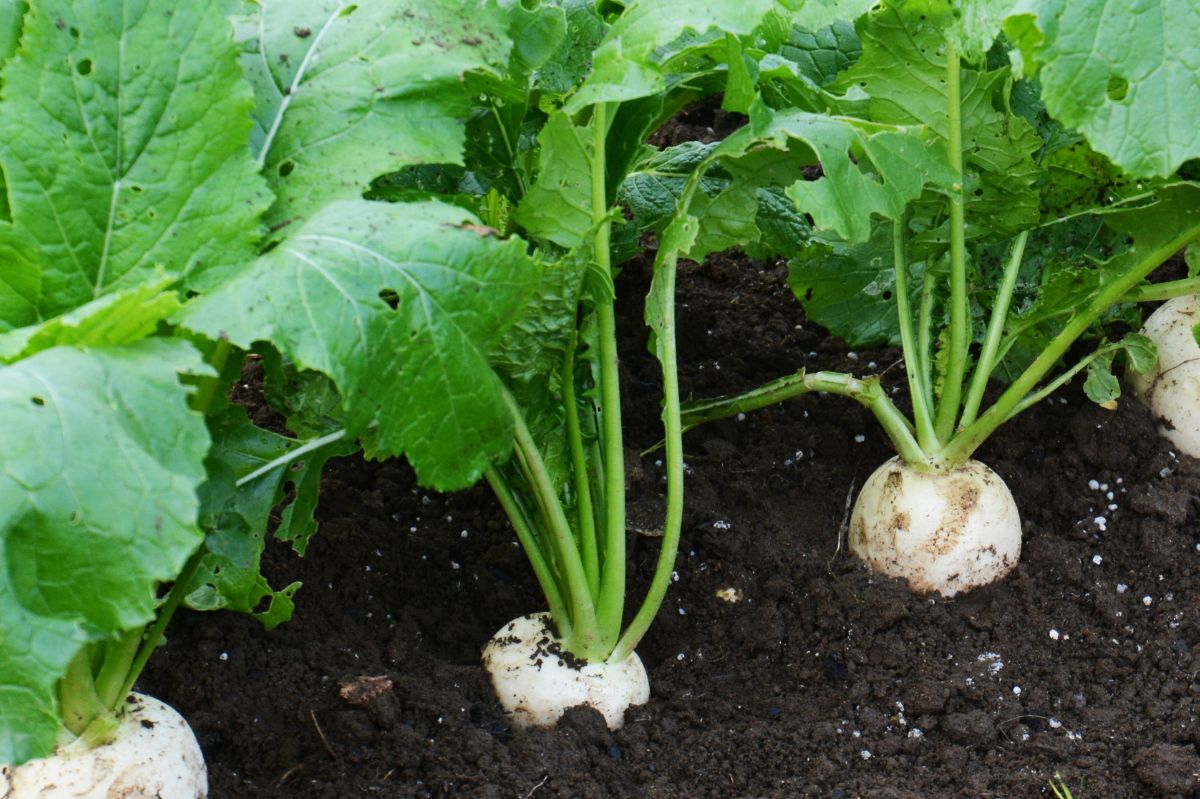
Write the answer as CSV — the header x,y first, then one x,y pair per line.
x,y
611,605
925,333
1058,382
154,636
912,365
118,659
664,336
1157,292
79,704
585,640
948,404
533,550
995,328
969,439
586,518
288,457
868,392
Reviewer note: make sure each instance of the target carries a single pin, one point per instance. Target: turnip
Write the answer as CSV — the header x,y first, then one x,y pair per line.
x,y
536,679
1172,387
944,531
152,753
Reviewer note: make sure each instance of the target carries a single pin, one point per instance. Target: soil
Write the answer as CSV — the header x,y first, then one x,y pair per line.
x,y
824,680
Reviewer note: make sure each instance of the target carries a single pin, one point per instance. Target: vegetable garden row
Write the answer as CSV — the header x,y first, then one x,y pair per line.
x,y
413,218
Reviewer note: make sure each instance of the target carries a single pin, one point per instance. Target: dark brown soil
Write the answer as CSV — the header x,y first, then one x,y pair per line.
x,y
823,681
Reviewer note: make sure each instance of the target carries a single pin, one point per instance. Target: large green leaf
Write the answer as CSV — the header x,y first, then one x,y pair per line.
x,y
1127,74
123,133
99,468
348,91
399,305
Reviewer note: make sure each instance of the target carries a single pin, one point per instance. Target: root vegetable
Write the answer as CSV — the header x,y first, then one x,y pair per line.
x,y
536,680
154,755
1172,388
944,531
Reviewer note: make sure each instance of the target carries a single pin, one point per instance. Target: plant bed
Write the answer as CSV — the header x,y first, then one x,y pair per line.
x,y
823,680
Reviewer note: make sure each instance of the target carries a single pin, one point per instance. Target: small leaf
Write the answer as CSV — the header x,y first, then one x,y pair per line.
x,y
1101,385
558,206
1141,351
624,66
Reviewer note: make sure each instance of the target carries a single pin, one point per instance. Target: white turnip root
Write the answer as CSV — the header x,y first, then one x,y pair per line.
x,y
944,531
1172,388
154,756
536,680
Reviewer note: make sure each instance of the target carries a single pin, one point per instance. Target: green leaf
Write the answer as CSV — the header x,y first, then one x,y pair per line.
x,y
309,400
1140,350
652,189
12,13
119,318
821,54
571,61
20,278
123,144
1077,259
99,468
1101,385
903,73
976,24
235,518
815,14
624,66
1126,75
850,289
558,206
532,353
399,305
349,91
866,171
537,35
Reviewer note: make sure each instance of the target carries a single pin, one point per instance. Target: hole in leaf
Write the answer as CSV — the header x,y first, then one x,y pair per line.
x,y
136,189
887,295
348,10
38,401
84,67
74,33
286,168
391,298
1118,87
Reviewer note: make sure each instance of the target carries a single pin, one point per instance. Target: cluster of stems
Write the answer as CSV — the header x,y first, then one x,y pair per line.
x,y
579,558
